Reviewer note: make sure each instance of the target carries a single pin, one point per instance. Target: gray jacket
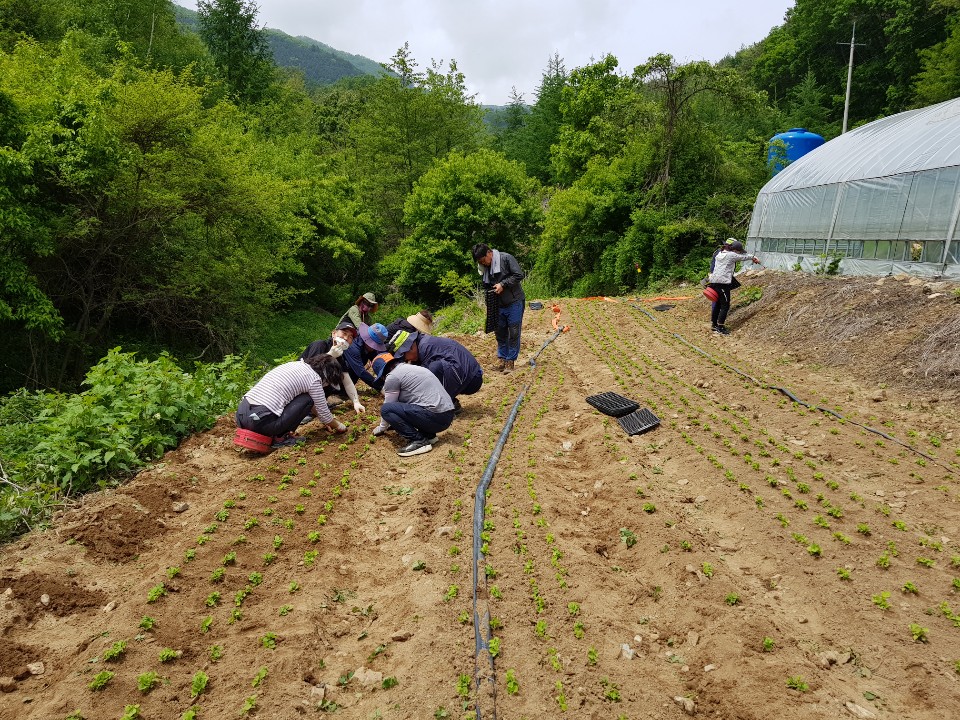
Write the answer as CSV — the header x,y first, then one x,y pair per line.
x,y
510,276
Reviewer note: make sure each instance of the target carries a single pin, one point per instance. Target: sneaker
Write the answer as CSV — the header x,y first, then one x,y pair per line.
x,y
501,364
417,447
432,440
508,366
287,440
721,330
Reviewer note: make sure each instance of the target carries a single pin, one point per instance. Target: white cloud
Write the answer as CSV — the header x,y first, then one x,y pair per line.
x,y
499,44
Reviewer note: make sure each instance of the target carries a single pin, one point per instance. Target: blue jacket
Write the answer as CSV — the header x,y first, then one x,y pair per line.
x,y
451,362
357,356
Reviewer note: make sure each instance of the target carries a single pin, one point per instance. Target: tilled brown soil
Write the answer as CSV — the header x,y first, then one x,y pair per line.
x,y
748,558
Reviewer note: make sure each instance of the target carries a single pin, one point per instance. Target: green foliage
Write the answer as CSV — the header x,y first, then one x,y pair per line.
x,y
199,683
410,119
57,445
238,46
462,200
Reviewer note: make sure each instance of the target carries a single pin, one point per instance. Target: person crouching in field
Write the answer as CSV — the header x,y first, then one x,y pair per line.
x,y
722,280
414,404
455,367
339,341
281,398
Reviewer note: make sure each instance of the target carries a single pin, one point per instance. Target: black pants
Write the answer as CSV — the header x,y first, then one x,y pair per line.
x,y
260,420
722,306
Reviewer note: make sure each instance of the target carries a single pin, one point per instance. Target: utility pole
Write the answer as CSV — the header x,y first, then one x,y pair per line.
x,y
846,102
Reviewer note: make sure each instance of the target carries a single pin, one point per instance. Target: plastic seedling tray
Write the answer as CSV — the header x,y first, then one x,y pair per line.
x,y
610,403
639,421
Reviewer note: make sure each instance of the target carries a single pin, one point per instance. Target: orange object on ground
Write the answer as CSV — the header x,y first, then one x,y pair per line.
x,y
664,297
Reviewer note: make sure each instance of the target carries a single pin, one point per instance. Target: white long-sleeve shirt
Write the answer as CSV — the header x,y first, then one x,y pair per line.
x,y
278,387
726,262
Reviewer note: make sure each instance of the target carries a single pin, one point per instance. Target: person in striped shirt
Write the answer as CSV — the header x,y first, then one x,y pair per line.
x,y
282,397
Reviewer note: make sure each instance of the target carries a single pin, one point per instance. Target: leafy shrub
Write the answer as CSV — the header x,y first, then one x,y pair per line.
x,y
56,445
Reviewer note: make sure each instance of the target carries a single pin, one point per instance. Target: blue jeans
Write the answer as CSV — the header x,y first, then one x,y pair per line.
x,y
509,319
414,422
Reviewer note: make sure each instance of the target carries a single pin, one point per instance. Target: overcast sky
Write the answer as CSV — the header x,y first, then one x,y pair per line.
x,y
500,44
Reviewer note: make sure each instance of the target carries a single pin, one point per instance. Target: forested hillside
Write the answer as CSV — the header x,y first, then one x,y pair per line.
x,y
319,63
165,190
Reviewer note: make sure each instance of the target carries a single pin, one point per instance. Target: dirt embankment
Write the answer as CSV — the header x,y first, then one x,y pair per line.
x,y
749,558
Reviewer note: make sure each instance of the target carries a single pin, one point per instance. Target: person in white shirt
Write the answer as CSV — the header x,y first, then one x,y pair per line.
x,y
721,279
281,398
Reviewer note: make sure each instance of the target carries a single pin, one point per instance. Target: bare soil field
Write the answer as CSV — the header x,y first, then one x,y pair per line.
x,y
751,557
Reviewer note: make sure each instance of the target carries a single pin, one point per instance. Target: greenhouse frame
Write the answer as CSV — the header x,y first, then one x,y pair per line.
x,y
882,199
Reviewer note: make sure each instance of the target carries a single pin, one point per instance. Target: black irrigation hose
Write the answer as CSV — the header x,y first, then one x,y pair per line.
x,y
481,630
797,400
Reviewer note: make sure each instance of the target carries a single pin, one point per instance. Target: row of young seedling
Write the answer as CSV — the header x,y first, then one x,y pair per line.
x,y
665,386
238,533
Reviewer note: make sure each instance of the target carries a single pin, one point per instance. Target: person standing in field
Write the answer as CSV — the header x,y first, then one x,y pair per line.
x,y
721,280
501,275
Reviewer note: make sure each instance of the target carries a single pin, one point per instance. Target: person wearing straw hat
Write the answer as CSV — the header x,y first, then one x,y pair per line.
x,y
414,404
421,322
371,339
501,275
455,366
360,312
721,280
277,403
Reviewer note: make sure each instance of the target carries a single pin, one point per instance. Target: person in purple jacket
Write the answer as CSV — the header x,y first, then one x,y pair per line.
x,y
455,367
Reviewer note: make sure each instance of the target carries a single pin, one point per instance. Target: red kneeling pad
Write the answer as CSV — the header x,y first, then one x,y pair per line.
x,y
252,441
710,294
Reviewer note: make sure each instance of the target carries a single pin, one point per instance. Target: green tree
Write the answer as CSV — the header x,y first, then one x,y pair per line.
x,y
158,212
238,46
939,75
410,119
463,200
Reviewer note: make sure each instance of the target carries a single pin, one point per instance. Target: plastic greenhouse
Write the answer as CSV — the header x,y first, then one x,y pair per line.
x,y
883,198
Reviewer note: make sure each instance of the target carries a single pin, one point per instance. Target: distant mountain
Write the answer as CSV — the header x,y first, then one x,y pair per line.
x,y
319,63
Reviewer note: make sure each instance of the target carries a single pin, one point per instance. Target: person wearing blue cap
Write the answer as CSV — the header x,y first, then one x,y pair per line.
x,y
371,339
414,404
455,367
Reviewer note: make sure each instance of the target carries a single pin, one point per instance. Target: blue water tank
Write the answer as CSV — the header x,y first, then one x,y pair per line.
x,y
797,143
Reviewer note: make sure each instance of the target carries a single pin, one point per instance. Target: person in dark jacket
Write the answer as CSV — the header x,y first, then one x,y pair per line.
x,y
370,341
501,276
421,321
455,367
335,346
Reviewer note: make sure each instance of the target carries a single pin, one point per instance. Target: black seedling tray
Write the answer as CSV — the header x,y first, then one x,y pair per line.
x,y
638,422
610,403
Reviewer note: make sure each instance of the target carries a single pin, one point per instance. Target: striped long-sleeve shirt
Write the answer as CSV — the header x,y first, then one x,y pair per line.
x,y
278,387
